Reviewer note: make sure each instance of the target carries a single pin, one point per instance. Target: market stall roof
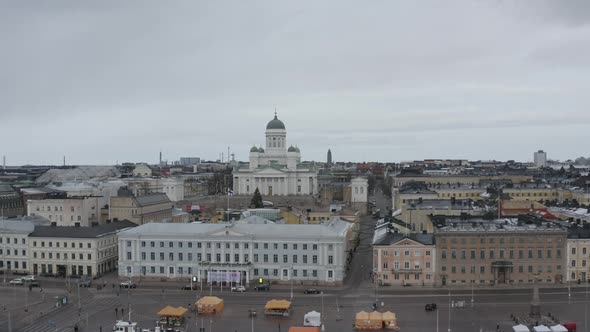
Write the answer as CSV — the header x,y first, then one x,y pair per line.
x,y
375,315
388,315
541,328
520,328
209,300
362,315
558,328
277,305
304,329
170,311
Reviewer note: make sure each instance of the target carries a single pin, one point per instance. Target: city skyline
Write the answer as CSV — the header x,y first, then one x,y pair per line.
x,y
101,83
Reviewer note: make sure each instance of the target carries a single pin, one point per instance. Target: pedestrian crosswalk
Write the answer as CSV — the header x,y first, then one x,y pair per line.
x,y
63,320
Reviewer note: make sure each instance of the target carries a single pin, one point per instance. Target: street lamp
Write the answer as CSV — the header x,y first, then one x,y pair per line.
x,y
291,277
449,330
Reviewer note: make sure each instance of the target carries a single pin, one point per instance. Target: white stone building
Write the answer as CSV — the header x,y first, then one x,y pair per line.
x,y
276,170
310,254
540,158
71,211
70,250
14,251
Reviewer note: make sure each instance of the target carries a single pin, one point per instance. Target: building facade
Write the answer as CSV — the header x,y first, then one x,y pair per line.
x,y
71,250
276,170
141,209
578,252
309,254
14,245
400,259
71,211
499,252
540,158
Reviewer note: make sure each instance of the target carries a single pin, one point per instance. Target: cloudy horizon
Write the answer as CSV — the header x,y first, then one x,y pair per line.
x,y
110,81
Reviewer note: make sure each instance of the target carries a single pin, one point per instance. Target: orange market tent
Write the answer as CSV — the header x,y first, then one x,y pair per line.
x,y
209,304
304,329
361,320
277,307
170,311
389,320
171,316
376,320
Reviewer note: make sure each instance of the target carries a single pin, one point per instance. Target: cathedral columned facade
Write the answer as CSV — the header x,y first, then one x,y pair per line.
x,y
276,169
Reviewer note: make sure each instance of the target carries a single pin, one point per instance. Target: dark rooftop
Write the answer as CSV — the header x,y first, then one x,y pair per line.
x,y
80,232
393,237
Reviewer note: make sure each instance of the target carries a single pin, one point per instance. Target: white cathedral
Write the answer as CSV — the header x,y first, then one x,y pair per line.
x,y
277,170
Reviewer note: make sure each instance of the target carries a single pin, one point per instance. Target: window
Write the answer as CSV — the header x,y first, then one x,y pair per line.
x,y
161,244
161,270
520,254
179,244
294,246
305,246
180,256
128,244
275,246
315,247
482,254
170,244
129,255
315,259
573,264
463,254
314,273
584,251
265,272
227,258
275,272
199,257
143,256
152,244
491,253
330,259
143,243
558,253
304,259
152,256
275,258
443,254
285,246
540,253
236,258
161,256
190,256
171,256
265,258
472,254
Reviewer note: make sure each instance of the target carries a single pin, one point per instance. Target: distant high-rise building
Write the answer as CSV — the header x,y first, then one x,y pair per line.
x,y
540,158
189,161
329,157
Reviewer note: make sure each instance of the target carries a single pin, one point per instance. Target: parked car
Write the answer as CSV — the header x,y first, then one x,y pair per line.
x,y
28,278
240,289
128,284
17,281
262,287
85,282
430,307
312,291
188,287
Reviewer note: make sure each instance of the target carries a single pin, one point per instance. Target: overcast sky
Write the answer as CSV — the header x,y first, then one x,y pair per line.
x,y
108,81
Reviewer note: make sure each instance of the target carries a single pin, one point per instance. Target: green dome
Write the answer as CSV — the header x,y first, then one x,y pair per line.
x,y
292,149
261,150
275,124
254,149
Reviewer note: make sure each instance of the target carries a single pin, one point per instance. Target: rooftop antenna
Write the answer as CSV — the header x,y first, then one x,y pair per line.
x,y
160,164
4,162
228,154
64,161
